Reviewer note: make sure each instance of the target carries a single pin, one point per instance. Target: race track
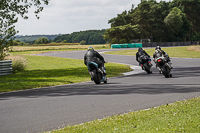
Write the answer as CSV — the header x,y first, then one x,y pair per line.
x,y
49,108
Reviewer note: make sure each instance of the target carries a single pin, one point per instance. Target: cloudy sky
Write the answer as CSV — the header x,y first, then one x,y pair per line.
x,y
68,16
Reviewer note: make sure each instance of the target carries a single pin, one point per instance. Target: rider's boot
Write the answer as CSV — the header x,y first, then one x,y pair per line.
x,y
170,64
160,72
150,63
142,66
91,75
104,70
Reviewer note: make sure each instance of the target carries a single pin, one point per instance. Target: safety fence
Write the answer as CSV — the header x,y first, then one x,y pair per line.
x,y
5,67
131,45
168,44
154,44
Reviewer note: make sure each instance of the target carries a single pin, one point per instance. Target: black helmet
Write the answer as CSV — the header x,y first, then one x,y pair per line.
x,y
158,47
91,48
140,49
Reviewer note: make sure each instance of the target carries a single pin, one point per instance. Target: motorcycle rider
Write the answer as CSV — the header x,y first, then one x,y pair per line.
x,y
159,53
140,53
94,56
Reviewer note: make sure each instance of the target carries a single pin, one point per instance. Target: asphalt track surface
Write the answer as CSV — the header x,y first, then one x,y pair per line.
x,y
50,108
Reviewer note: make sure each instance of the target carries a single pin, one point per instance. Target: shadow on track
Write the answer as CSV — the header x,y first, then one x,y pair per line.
x,y
116,88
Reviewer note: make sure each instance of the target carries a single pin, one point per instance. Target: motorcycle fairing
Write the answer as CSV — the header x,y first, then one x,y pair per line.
x,y
93,63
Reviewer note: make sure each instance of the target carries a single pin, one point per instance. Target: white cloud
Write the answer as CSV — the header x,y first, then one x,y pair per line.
x,y
67,16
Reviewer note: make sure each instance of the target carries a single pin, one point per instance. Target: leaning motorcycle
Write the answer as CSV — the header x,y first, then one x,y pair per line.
x,y
146,65
97,74
164,66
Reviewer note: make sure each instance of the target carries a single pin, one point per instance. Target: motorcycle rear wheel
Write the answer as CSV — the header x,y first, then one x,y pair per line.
x,y
106,81
147,68
165,72
96,77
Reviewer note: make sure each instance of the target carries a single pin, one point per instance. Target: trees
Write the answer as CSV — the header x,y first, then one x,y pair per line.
x,y
192,10
164,21
42,40
121,34
175,21
89,36
9,9
83,42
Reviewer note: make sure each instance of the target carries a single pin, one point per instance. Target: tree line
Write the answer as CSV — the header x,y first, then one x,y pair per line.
x,y
177,20
82,37
32,38
89,37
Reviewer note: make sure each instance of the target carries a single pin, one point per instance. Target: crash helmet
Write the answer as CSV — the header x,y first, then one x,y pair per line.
x,y
90,48
140,49
158,47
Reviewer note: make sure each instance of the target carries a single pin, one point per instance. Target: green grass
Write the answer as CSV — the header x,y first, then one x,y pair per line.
x,y
177,117
45,71
181,52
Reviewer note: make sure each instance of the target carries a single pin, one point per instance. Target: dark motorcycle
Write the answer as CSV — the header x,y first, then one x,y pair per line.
x,y
164,66
97,74
146,65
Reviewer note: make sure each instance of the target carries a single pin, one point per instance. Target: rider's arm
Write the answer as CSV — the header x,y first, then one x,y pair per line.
x,y
163,52
99,56
146,54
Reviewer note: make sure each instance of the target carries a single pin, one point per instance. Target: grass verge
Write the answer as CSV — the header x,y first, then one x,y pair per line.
x,y
181,52
45,71
177,117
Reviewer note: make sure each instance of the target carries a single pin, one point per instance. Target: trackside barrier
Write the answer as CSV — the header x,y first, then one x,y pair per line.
x,y
154,44
169,44
5,67
132,45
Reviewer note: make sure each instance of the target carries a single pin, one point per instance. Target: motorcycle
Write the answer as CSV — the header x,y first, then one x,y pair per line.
x,y
97,74
164,66
146,65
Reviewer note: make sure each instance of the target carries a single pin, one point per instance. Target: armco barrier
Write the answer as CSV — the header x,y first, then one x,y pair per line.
x,y
131,45
5,67
168,44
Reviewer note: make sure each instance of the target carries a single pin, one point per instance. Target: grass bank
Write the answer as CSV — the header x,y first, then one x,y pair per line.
x,y
176,117
181,52
45,71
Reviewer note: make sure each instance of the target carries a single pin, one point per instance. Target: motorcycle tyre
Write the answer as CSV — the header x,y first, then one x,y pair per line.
x,y
147,68
96,77
165,72
106,81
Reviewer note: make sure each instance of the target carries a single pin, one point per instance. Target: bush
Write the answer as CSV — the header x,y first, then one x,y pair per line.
x,y
41,40
83,42
18,63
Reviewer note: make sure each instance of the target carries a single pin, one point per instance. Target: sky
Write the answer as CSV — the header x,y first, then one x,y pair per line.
x,y
68,16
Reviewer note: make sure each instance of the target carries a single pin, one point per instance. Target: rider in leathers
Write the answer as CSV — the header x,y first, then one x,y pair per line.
x,y
158,53
140,53
94,56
